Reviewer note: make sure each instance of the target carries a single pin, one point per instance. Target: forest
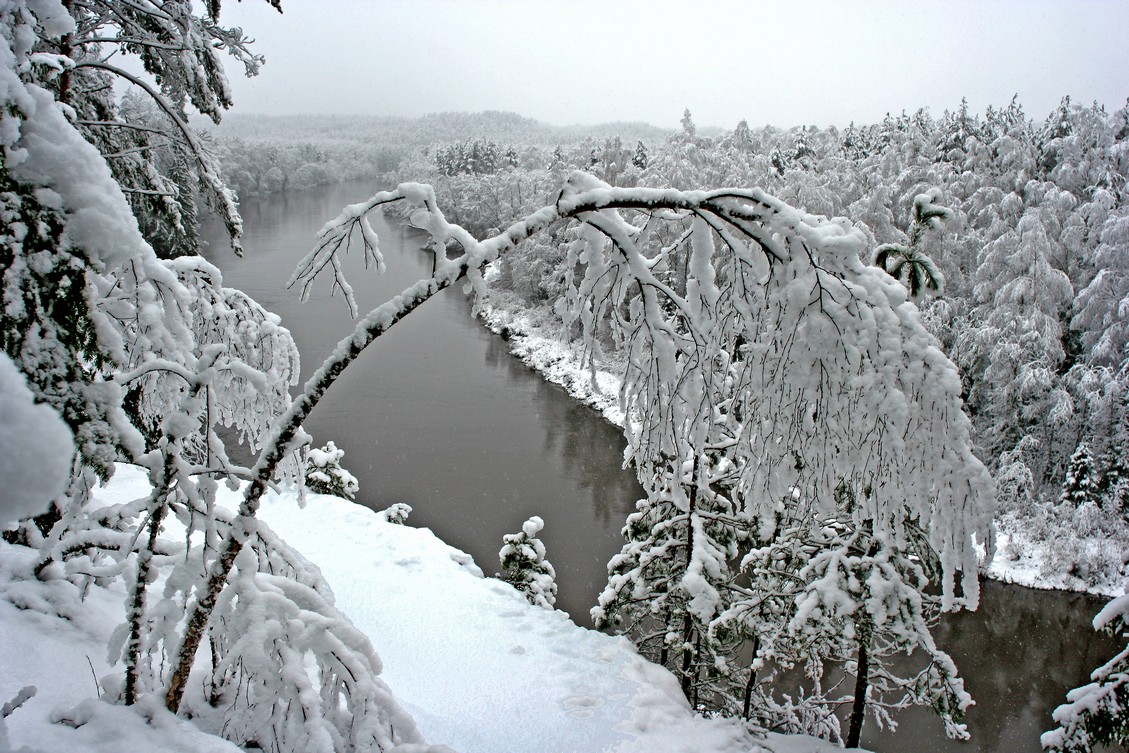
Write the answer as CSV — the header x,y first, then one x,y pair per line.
x,y
1019,273
854,365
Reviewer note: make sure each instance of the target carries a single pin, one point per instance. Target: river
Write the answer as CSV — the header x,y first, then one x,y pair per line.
x,y
437,414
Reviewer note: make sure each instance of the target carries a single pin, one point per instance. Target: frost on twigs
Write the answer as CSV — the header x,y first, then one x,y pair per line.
x,y
337,237
524,565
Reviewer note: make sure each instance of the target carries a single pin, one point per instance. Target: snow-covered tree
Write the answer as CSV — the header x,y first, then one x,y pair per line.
x,y
1081,485
1015,341
397,513
907,262
160,162
325,475
146,360
688,126
862,604
747,383
525,567
640,158
1097,713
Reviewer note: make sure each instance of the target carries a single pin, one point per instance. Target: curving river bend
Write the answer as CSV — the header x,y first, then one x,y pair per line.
x,y
439,415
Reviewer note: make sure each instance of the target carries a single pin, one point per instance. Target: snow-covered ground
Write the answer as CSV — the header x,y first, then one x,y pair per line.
x,y
479,668
1025,554
1069,563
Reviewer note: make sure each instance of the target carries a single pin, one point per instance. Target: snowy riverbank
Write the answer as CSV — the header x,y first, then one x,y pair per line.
x,y
478,667
1046,556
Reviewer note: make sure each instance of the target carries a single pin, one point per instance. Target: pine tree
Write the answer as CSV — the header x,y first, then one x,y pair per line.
x,y
524,566
688,128
1080,486
907,262
325,475
640,158
397,513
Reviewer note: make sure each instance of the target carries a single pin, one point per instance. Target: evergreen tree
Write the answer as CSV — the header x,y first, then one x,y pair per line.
x,y
1080,486
397,513
688,128
325,475
907,262
640,158
524,566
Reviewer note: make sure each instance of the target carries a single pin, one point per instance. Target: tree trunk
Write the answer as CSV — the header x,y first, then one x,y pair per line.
x,y
746,708
687,618
137,602
862,683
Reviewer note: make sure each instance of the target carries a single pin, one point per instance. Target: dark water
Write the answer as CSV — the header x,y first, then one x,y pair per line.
x,y
439,415
1018,653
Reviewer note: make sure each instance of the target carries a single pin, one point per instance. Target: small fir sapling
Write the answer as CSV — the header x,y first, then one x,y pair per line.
x,y
325,475
397,513
524,565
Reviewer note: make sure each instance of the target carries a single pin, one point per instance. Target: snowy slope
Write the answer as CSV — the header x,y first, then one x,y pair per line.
x,y
62,657
481,670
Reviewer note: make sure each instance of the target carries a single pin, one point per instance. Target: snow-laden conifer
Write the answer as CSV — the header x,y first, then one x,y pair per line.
x,y
1081,484
325,475
397,513
1097,714
525,567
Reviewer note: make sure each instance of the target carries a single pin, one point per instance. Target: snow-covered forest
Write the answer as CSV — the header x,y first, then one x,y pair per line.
x,y
849,363
1019,272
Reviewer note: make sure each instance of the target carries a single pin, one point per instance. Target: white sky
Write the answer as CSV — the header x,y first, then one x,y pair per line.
x,y
583,61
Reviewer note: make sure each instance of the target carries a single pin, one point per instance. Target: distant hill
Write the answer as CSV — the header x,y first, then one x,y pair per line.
x,y
503,127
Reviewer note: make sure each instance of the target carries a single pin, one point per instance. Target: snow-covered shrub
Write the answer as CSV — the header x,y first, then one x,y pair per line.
x,y
286,671
524,565
1015,484
396,513
289,671
325,475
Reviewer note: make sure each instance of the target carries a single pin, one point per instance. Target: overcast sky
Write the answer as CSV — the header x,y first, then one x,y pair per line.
x,y
781,63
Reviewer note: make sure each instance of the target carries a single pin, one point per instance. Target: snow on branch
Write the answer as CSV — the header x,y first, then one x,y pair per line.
x,y
773,342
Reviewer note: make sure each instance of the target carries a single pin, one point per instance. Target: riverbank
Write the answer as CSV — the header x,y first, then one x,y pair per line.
x,y
1051,552
478,667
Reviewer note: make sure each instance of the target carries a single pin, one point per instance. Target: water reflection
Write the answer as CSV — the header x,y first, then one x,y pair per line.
x,y
437,413
580,436
1019,654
